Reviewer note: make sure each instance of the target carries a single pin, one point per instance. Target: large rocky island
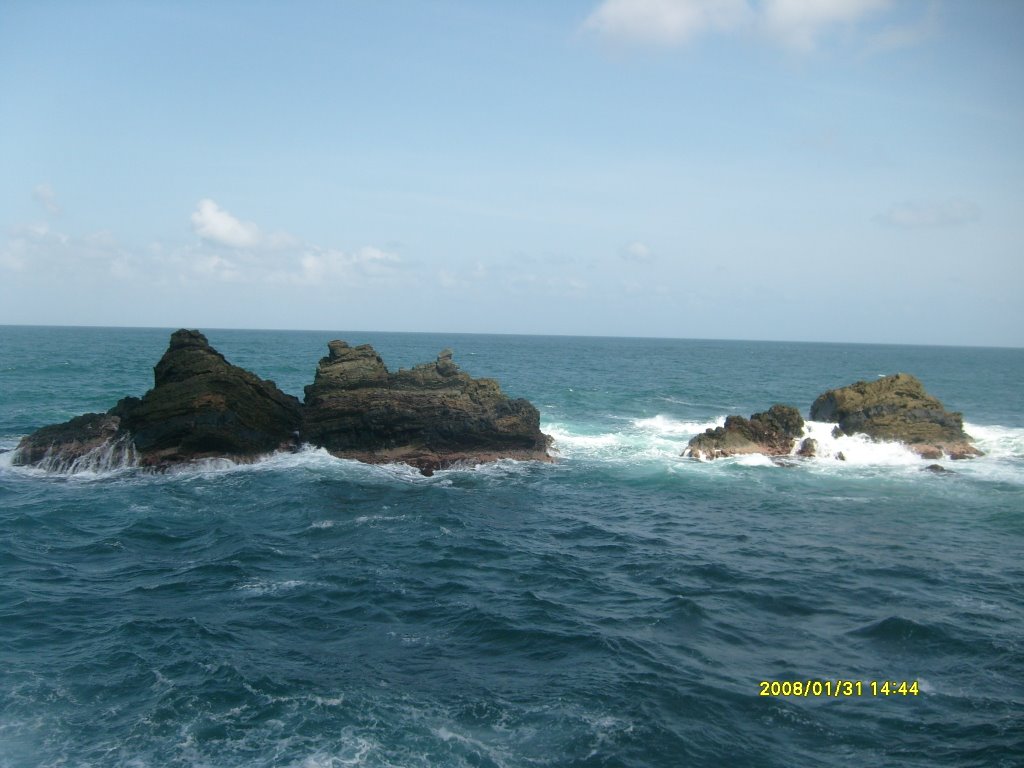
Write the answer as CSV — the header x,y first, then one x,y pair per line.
x,y
201,406
893,408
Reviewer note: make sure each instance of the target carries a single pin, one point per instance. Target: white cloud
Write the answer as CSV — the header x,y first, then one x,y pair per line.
x,y
250,257
664,22
213,223
895,36
796,24
637,252
46,197
330,265
917,215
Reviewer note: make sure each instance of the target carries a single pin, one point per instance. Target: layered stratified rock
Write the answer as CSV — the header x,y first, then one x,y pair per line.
x,y
896,408
200,406
772,433
431,416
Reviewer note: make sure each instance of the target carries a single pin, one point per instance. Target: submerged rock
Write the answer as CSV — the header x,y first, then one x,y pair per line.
x,y
772,433
432,416
202,406
896,408
808,448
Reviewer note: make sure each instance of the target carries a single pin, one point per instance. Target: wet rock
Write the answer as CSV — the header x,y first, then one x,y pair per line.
x,y
896,408
772,433
431,416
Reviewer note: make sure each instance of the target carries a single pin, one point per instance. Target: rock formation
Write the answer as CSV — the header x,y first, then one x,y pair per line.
x,y
896,408
202,406
431,416
772,433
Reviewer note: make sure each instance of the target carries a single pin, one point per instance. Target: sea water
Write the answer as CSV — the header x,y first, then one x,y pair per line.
x,y
623,606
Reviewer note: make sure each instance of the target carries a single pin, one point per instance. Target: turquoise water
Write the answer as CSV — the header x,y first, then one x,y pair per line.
x,y
617,608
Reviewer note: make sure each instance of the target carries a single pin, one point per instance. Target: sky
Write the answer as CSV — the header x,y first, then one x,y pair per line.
x,y
806,170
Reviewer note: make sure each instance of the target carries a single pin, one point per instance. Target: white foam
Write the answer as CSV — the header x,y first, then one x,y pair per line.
x,y
998,441
656,438
108,457
663,425
856,450
271,587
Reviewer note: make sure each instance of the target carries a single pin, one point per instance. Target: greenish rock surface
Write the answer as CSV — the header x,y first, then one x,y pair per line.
x,y
772,433
431,416
201,406
896,408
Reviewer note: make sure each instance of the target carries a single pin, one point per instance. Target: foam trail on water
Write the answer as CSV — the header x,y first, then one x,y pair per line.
x,y
656,438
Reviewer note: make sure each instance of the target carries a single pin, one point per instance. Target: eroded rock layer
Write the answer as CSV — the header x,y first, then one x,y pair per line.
x,y
202,406
431,416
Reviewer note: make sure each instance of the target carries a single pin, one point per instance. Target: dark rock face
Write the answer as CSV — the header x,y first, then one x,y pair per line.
x,y
431,416
73,445
772,433
808,448
202,406
896,408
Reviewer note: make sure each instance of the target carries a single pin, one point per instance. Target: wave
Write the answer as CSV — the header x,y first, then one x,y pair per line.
x,y
656,437
114,459
662,438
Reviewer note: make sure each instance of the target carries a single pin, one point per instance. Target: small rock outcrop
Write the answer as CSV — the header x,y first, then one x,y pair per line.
x,y
432,416
202,405
808,448
772,433
896,408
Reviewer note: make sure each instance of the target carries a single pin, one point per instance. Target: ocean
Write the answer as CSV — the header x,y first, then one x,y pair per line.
x,y
623,606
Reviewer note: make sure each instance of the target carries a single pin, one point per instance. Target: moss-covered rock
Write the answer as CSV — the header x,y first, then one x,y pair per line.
x,y
896,408
430,416
772,433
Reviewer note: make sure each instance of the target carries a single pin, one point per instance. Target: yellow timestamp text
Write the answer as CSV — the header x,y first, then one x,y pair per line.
x,y
838,689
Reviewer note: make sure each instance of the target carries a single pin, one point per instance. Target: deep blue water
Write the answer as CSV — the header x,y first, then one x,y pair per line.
x,y
617,608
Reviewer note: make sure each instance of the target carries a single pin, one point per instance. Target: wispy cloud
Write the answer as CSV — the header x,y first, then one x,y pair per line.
x,y
798,24
46,197
910,34
665,22
229,251
637,252
924,215
794,24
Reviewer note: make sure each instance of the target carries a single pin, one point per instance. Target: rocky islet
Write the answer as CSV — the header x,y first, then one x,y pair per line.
x,y
431,416
201,406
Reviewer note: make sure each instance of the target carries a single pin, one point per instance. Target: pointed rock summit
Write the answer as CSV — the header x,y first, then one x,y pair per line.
x,y
202,406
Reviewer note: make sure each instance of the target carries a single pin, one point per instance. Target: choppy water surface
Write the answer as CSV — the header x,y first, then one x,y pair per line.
x,y
618,608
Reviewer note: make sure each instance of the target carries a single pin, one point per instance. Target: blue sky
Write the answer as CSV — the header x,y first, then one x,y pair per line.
x,y
840,170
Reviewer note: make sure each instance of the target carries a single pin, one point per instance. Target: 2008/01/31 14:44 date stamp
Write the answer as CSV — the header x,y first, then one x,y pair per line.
x,y
838,689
